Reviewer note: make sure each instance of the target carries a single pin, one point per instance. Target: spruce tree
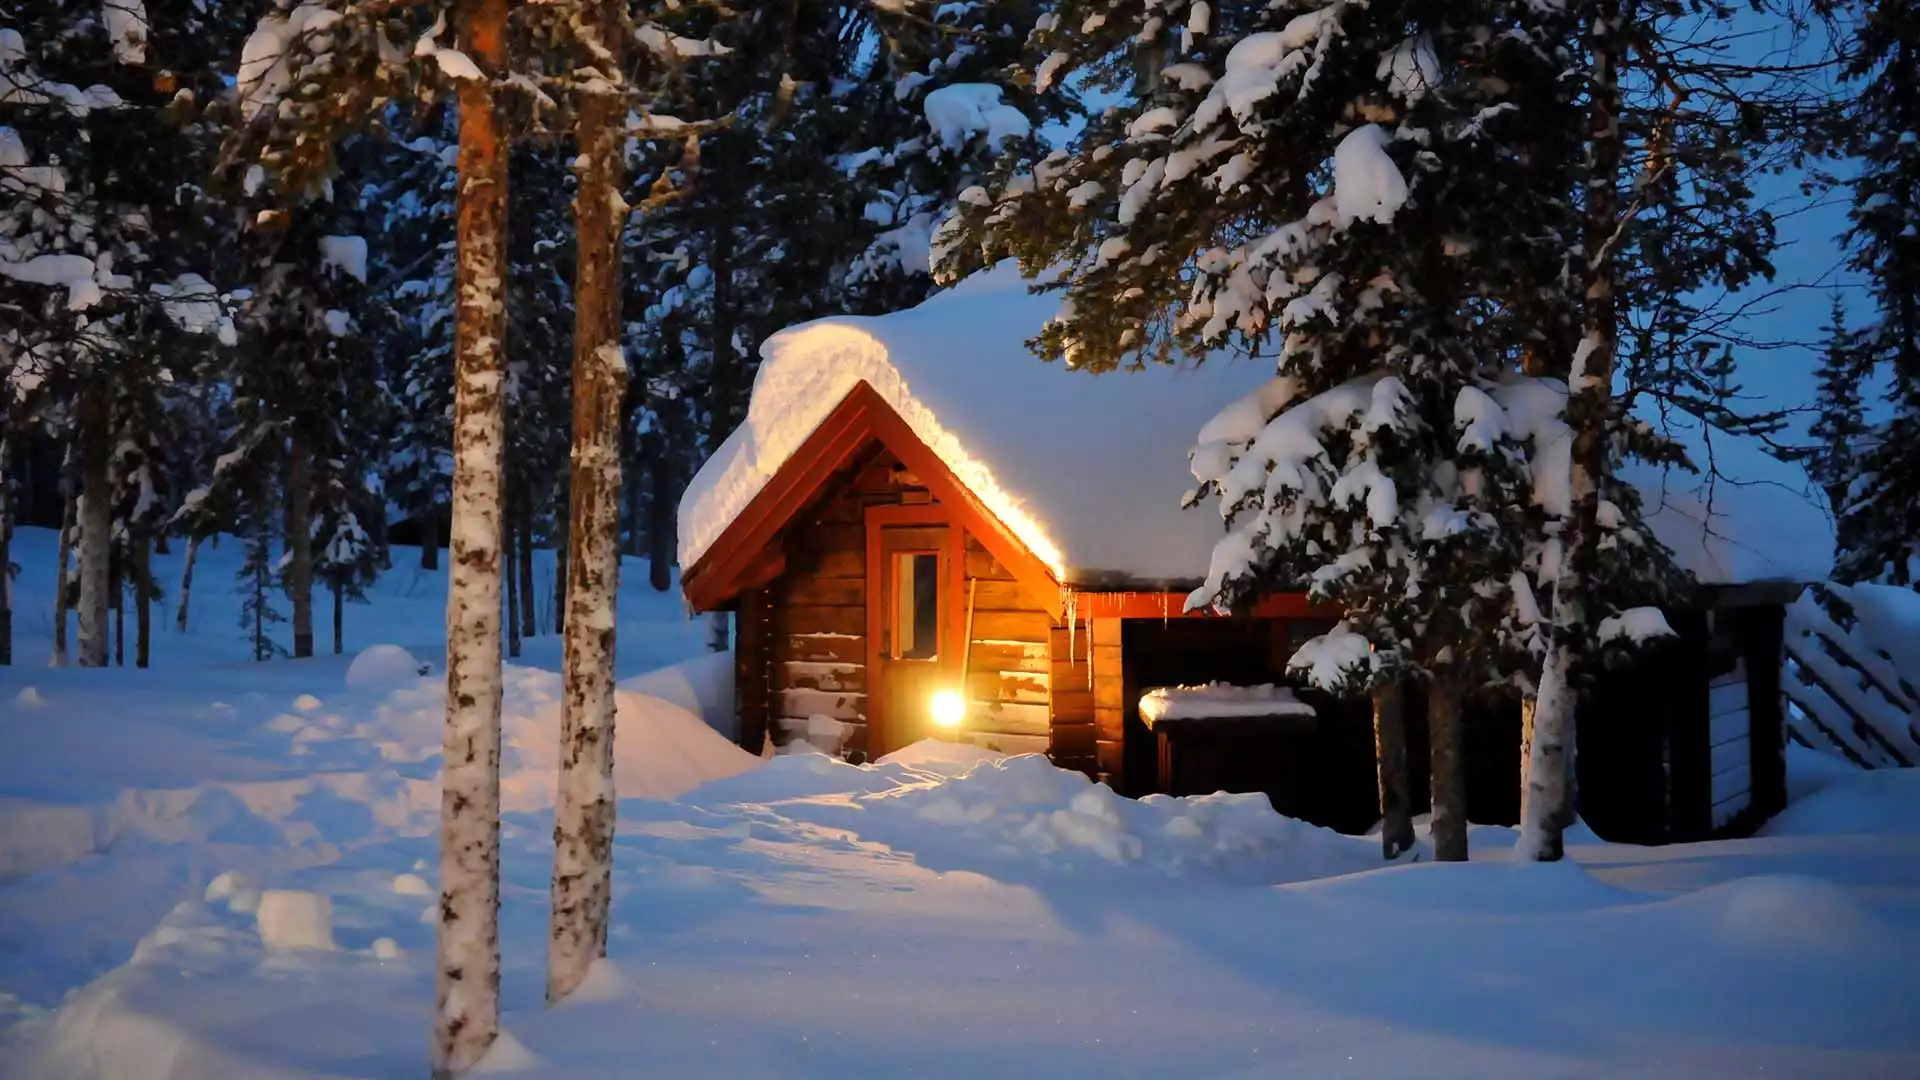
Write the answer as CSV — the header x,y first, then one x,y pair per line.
x,y
1880,531
1839,428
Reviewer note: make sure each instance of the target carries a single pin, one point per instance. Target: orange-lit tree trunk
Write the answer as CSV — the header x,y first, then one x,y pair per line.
x,y
584,806
467,991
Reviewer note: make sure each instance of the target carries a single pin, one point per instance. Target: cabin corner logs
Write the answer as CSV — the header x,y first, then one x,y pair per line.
x,y
1687,743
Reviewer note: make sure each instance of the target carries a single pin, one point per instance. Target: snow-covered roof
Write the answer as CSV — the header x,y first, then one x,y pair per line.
x,y
1089,470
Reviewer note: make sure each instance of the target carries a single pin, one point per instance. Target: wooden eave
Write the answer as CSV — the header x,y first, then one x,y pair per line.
x,y
741,556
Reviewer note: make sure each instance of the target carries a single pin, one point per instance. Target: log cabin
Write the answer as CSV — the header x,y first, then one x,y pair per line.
x,y
923,530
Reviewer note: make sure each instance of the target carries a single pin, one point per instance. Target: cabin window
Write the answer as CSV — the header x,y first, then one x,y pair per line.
x,y
916,605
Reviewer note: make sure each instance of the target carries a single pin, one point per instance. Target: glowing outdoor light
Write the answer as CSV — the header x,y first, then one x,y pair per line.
x,y
949,708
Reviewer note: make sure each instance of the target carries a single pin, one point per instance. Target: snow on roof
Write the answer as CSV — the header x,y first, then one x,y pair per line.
x,y
1089,470
1746,516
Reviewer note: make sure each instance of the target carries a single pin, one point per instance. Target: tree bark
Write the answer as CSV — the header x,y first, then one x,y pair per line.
x,y
96,523
299,579
68,519
467,945
584,807
1390,751
142,557
339,615
1549,766
186,582
1549,803
1449,774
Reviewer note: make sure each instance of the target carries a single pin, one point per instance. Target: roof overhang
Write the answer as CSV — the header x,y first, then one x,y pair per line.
x,y
742,556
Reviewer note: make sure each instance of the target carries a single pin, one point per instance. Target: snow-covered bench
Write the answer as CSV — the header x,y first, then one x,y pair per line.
x,y
1174,713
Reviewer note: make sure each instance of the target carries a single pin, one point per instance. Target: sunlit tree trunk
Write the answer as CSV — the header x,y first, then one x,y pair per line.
x,y
1549,805
467,960
584,807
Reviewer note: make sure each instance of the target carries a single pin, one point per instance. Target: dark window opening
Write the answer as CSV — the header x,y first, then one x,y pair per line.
x,y
916,605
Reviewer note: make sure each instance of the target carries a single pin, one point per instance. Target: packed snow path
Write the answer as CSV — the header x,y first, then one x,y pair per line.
x,y
183,846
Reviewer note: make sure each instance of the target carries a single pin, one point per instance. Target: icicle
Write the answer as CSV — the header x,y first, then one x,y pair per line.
x,y
1072,619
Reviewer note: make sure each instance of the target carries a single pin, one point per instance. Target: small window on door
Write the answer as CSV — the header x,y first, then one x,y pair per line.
x,y
916,605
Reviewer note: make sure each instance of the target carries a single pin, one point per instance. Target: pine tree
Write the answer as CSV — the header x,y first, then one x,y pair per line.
x,y
1880,529
1840,428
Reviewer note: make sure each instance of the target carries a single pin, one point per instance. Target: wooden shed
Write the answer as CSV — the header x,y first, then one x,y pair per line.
x,y
918,518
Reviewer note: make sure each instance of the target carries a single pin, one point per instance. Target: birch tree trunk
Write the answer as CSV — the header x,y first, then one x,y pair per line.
x,y
96,524
1390,751
300,545
68,519
1449,777
467,945
186,582
583,815
1549,805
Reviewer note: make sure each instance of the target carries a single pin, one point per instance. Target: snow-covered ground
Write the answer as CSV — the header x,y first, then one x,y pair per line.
x,y
168,838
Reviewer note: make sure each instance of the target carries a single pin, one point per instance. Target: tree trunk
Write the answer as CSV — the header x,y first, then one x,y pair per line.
x,y
1529,707
60,595
142,556
186,582
339,615
1549,766
663,524
510,578
583,815
430,536
96,523
467,945
6,548
1449,829
1396,788
299,578
1549,803
524,533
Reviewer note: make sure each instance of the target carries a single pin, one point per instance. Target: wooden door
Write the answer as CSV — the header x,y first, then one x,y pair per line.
x,y
913,644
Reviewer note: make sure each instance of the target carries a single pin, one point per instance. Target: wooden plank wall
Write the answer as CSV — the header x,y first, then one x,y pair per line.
x,y
1109,699
818,617
1071,684
1010,664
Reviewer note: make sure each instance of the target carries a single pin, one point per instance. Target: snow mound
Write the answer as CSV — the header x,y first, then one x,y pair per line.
x,y
1478,888
295,919
702,686
1774,912
1883,802
29,697
660,750
941,757
506,1055
380,667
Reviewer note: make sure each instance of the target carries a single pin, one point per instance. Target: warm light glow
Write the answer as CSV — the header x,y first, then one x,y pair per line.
x,y
949,708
